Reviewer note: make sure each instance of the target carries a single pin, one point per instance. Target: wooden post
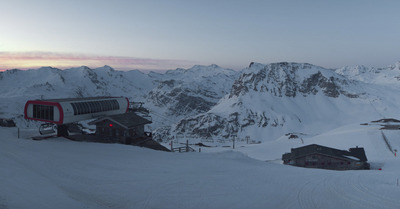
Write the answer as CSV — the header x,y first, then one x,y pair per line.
x,y
233,142
200,151
172,145
397,181
187,145
18,133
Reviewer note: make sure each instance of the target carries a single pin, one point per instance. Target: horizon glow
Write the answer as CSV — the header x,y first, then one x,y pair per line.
x,y
32,60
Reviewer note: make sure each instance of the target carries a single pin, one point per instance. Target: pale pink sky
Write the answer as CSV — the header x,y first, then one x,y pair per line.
x,y
31,60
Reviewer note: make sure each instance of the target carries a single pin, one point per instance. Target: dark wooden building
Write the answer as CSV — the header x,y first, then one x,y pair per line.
x,y
127,128
317,156
124,128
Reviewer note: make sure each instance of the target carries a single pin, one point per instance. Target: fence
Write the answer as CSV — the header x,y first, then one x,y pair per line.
x,y
182,149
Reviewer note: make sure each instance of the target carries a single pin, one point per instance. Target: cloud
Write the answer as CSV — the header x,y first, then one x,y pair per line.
x,y
30,60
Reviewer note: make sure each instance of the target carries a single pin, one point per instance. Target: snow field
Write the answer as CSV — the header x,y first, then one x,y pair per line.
x,y
58,173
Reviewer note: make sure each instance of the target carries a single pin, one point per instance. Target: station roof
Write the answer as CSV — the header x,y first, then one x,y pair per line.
x,y
75,99
126,120
353,153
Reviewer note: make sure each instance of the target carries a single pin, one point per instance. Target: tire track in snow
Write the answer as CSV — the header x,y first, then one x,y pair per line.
x,y
377,197
352,193
340,194
343,189
59,178
305,196
147,200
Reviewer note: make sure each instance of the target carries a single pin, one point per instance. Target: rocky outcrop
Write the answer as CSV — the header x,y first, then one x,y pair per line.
x,y
290,79
192,91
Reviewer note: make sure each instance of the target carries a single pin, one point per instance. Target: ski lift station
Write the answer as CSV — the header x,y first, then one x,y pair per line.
x,y
66,111
115,119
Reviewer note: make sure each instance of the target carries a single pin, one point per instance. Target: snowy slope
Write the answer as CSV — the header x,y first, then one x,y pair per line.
x,y
58,173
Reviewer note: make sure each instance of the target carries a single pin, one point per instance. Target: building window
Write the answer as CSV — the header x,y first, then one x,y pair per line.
x,y
44,112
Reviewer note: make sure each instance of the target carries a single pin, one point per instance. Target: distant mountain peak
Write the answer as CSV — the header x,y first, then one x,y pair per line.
x,y
106,68
289,79
396,65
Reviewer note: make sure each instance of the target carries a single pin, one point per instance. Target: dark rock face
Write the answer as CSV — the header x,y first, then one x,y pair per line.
x,y
185,93
180,101
209,125
327,85
197,125
187,103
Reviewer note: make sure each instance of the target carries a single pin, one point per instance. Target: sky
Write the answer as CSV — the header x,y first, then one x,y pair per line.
x,y
169,34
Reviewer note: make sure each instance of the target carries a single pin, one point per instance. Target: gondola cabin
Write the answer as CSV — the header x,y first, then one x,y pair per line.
x,y
65,111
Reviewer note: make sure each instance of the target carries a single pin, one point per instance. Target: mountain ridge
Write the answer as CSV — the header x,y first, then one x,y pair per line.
x,y
214,102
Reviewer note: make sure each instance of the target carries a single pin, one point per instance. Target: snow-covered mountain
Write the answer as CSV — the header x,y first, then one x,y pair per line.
x,y
263,101
384,76
268,101
169,96
75,82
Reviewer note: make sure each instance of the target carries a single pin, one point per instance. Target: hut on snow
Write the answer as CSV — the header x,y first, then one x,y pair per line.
x,y
317,156
127,128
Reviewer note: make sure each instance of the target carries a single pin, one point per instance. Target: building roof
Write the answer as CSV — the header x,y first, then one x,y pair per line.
x,y
126,120
353,153
76,99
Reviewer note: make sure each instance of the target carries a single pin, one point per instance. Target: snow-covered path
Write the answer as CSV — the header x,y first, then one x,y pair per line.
x,y
58,173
